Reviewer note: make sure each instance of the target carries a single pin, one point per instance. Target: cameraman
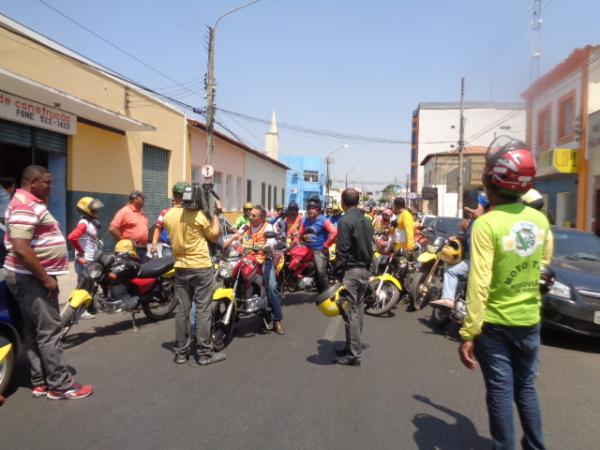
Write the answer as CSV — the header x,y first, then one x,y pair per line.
x,y
189,230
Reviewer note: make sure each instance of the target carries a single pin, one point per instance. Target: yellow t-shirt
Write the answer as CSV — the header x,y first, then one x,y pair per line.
x,y
188,230
404,234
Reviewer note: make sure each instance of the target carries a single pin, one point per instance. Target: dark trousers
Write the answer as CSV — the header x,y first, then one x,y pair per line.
x,y
321,268
508,360
194,285
41,331
355,281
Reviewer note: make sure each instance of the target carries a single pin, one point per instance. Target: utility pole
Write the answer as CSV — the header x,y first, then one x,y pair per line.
x,y
536,47
211,89
461,147
328,185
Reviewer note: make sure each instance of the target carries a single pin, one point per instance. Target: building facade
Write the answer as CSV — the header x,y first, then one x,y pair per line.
x,y
435,129
99,134
441,176
561,107
305,179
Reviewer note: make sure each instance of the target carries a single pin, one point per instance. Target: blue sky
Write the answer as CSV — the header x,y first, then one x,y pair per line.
x,y
357,67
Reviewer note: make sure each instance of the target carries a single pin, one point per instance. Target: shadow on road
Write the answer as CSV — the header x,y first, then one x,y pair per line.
x,y
298,298
434,433
449,331
325,352
113,329
568,341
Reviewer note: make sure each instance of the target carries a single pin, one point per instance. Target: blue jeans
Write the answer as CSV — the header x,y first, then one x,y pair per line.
x,y
451,279
272,287
508,360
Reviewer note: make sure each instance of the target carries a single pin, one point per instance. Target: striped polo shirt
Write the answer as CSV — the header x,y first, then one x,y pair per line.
x,y
27,217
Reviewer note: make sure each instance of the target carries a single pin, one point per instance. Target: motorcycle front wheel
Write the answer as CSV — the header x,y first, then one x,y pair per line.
x,y
377,304
221,334
417,291
161,305
7,361
440,316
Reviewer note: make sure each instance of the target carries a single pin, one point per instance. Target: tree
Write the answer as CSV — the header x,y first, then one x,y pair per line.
x,y
388,193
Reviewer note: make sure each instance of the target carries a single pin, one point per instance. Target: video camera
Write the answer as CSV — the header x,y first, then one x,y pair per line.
x,y
200,197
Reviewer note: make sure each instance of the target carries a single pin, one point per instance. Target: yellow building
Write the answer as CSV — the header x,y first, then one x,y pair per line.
x,y
99,134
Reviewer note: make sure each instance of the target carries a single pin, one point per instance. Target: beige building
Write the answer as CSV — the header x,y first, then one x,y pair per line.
x,y
99,134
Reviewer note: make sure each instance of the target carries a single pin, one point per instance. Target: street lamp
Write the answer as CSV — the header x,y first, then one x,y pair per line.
x,y
329,161
349,172
210,82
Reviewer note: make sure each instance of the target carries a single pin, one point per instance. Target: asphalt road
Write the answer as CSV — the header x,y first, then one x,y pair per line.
x,y
282,392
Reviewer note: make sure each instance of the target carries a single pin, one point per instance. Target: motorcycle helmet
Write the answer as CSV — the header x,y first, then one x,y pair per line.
x,y
533,199
509,167
452,251
279,207
313,202
126,246
248,206
332,302
388,212
89,206
293,206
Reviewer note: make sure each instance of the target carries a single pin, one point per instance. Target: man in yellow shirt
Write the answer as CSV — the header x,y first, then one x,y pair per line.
x,y
403,226
189,231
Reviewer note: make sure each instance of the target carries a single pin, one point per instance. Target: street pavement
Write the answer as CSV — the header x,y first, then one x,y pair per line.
x,y
282,392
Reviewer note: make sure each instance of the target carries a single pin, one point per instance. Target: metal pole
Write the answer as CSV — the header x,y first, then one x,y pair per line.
x,y
461,145
328,185
210,83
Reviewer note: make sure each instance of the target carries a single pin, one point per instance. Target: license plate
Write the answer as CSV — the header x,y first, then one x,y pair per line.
x,y
597,317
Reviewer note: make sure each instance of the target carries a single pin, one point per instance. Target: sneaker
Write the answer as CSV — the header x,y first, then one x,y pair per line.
x,y
214,358
39,391
75,392
180,359
86,315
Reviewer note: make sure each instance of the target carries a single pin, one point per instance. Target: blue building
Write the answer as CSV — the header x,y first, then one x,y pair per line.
x,y
305,179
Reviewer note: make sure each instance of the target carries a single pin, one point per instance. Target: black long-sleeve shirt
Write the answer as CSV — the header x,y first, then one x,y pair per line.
x,y
354,245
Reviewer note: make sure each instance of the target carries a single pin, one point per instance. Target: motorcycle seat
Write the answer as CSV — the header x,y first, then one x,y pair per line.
x,y
156,267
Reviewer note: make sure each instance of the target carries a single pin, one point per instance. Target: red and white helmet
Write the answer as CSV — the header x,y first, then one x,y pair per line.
x,y
509,166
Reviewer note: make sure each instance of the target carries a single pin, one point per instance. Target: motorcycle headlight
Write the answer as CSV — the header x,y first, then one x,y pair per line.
x,y
225,270
94,270
561,290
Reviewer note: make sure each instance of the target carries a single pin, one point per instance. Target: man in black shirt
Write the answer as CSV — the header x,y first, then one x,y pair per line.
x,y
354,250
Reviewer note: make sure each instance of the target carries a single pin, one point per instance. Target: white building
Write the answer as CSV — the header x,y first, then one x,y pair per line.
x,y
435,129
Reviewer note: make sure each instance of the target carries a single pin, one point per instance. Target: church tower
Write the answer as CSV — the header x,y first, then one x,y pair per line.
x,y
272,140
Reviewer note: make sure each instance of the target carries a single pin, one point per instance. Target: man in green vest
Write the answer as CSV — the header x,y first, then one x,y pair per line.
x,y
509,246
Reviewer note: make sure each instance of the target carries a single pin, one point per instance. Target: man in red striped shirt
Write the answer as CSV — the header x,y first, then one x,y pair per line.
x,y
37,253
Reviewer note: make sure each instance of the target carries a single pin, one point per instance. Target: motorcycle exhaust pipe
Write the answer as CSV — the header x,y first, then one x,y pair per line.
x,y
228,314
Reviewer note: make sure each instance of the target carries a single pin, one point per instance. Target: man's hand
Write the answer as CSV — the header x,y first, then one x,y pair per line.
x,y
52,286
153,249
465,351
218,207
474,213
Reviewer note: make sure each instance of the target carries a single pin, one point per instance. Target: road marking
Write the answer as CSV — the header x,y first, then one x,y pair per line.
x,y
332,328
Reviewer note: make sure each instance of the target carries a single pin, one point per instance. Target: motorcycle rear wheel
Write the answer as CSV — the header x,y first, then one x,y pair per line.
x,y
7,365
417,297
376,307
161,306
221,334
440,316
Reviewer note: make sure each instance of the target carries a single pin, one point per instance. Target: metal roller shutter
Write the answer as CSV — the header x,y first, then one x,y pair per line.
x,y
50,141
15,134
155,177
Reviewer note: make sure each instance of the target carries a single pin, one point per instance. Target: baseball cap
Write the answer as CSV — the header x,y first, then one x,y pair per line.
x,y
135,194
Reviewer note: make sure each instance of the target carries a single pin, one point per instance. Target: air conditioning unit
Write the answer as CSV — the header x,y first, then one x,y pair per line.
x,y
293,191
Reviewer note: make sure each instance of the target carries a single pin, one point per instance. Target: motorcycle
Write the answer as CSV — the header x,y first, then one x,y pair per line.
x,y
243,295
426,284
119,283
385,287
443,312
10,340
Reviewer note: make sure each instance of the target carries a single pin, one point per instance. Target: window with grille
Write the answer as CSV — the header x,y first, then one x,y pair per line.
x,y
249,190
229,193
566,117
544,125
263,194
155,173
311,176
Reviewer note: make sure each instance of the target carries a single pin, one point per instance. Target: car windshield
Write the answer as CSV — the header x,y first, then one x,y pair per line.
x,y
576,245
448,226
428,221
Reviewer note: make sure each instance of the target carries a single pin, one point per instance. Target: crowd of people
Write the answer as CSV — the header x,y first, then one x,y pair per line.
x,y
508,243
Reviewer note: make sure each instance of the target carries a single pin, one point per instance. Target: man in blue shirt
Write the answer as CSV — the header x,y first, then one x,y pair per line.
x,y
318,233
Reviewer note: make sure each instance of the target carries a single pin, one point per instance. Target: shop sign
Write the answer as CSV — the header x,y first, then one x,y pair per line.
x,y
565,160
21,110
429,193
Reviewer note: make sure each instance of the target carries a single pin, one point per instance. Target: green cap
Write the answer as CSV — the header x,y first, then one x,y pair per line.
x,y
179,188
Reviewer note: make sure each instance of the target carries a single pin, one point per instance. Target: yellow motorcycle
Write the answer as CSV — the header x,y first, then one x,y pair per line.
x,y
426,284
385,287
